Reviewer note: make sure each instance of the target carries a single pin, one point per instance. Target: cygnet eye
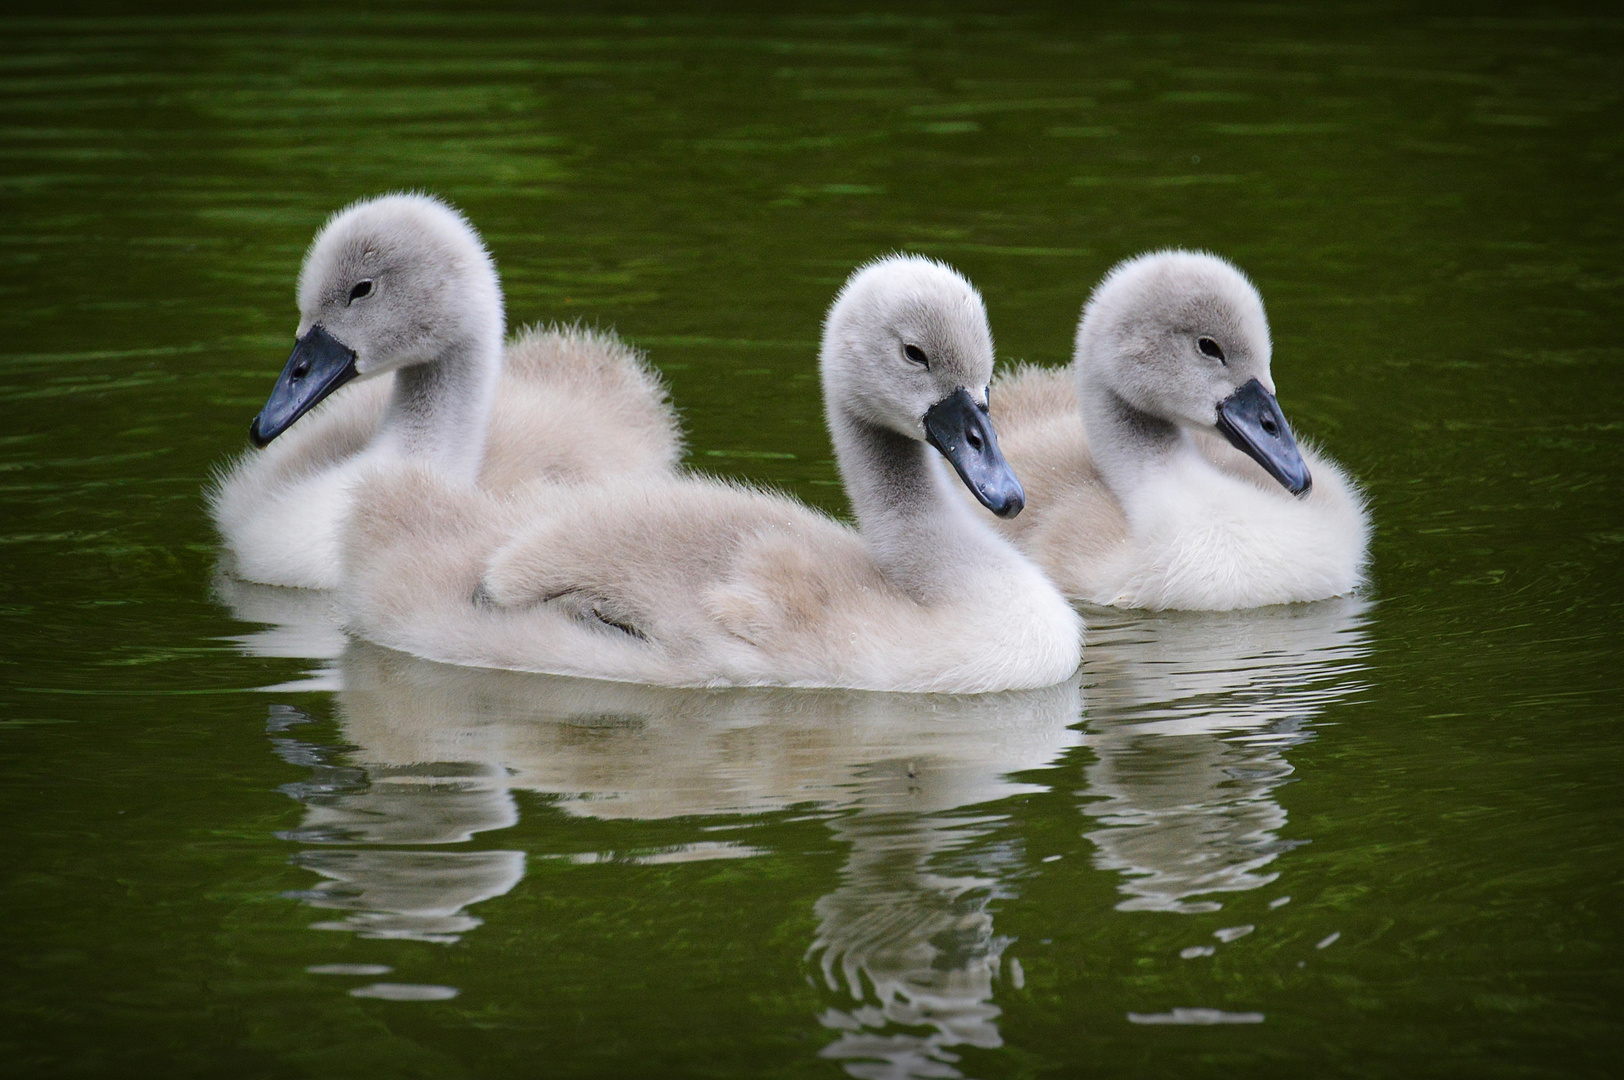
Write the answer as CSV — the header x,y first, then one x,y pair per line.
x,y
361,290
1210,348
917,355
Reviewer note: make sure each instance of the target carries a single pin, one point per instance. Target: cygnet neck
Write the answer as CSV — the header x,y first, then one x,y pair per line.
x,y
1127,443
439,411
921,536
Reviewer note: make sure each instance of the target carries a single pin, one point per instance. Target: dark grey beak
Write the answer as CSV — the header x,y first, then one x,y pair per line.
x,y
962,431
319,365
1251,420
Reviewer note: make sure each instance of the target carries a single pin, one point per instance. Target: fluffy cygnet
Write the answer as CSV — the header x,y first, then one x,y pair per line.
x,y
1160,470
399,294
693,581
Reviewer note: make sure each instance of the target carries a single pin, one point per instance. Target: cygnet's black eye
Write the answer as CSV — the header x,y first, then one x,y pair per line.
x,y
361,289
916,354
1210,348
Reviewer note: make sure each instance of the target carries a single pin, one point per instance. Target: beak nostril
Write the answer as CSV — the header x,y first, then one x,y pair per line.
x,y
301,369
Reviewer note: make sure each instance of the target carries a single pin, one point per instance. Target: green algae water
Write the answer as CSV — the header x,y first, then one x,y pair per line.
x,y
1373,837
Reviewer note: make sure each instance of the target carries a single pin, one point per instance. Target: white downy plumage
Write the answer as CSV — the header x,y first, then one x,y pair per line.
x,y
1135,498
435,386
691,581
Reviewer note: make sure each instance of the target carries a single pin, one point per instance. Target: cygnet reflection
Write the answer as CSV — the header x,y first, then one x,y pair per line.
x,y
921,940
906,943
412,894
418,896
626,750
1189,716
908,946
353,811
298,623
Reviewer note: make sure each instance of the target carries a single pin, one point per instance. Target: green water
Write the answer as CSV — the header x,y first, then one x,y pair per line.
x,y
206,793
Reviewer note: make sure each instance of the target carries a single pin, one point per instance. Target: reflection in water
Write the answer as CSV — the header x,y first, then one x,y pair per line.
x,y
417,895
1188,719
412,804
435,753
623,750
922,941
299,623
906,947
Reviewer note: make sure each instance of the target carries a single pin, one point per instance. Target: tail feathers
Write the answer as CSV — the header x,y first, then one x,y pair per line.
x,y
583,358
578,404
1028,394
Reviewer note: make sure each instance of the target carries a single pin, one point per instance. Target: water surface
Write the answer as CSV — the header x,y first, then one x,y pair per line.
x,y
1377,836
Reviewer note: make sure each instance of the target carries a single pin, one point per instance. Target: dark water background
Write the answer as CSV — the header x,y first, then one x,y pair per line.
x,y
1085,881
